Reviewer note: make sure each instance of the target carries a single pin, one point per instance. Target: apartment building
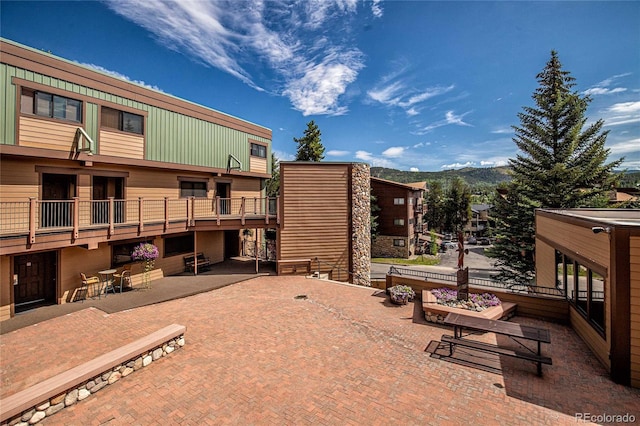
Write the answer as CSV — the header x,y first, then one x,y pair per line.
x,y
92,165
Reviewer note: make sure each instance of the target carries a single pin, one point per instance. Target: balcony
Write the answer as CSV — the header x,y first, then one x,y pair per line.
x,y
35,219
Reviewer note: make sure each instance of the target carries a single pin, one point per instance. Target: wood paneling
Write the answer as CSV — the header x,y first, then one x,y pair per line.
x,y
596,343
18,181
634,282
48,134
546,270
595,247
257,164
315,211
121,145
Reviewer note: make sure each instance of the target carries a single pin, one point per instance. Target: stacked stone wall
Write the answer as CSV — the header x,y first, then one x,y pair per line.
x,y
383,247
361,223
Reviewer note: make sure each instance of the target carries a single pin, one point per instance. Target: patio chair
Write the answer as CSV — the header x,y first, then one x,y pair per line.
x,y
123,277
83,291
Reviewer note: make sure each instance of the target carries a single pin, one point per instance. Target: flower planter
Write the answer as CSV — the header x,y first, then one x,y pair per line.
x,y
401,294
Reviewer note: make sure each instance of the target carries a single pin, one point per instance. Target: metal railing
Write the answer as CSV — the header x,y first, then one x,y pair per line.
x,y
335,272
479,282
33,216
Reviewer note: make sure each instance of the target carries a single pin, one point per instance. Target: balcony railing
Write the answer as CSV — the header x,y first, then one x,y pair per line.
x,y
39,216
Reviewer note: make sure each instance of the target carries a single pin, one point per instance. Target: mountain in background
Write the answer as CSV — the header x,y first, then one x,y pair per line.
x,y
473,176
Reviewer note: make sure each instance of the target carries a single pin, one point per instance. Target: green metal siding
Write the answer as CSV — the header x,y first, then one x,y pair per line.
x,y
8,106
170,137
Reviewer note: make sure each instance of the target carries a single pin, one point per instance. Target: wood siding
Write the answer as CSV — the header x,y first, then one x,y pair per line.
x,y
121,145
38,133
18,181
593,340
315,213
634,258
6,288
257,164
578,239
545,265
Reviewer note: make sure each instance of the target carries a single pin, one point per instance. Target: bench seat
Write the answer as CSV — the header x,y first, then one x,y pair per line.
x,y
204,263
487,347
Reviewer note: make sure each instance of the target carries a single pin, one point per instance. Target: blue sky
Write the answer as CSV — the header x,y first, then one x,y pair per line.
x,y
412,85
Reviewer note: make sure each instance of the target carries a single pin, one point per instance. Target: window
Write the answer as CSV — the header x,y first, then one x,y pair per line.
x,y
585,289
398,222
174,246
399,243
121,120
410,201
258,150
51,106
398,201
193,189
122,252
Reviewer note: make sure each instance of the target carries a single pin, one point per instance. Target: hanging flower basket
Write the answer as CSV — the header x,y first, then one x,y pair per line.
x,y
146,253
401,294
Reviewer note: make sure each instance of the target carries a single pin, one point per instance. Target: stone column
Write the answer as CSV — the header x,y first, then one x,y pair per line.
x,y
361,225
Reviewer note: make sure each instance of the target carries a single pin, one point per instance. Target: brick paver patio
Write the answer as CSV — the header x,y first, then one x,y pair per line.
x,y
255,354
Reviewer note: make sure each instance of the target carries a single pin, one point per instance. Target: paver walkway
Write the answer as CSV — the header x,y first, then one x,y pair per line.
x,y
256,354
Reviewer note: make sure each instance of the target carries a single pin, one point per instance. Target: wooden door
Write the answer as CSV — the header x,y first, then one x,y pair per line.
x,y
36,280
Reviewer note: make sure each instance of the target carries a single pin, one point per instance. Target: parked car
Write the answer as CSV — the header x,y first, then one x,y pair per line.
x,y
472,240
484,241
448,245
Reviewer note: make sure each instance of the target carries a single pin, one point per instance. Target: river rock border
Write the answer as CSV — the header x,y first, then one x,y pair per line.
x,y
78,393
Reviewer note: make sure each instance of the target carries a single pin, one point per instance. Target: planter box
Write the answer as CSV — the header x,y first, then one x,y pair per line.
x,y
436,313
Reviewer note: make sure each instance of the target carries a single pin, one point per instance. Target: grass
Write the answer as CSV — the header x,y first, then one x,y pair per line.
x,y
420,260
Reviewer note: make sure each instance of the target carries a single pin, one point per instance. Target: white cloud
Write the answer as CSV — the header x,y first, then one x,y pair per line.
x,y
373,160
622,113
502,131
337,153
449,118
601,88
494,163
283,156
621,148
603,91
312,68
394,152
419,145
458,165
394,91
414,169
121,76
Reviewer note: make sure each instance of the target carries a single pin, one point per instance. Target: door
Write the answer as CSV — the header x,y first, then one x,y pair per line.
x,y
34,280
231,244
57,192
223,190
103,188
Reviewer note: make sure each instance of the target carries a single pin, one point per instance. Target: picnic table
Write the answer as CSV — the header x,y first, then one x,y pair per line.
x,y
514,331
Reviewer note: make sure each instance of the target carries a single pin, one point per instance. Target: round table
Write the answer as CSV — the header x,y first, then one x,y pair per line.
x,y
106,281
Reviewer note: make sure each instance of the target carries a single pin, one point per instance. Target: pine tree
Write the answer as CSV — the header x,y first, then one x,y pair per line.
x,y
561,165
434,216
457,209
310,147
273,184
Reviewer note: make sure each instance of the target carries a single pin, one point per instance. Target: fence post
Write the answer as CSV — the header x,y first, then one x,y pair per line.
x,y
242,210
32,220
140,215
111,216
266,211
218,209
166,214
76,217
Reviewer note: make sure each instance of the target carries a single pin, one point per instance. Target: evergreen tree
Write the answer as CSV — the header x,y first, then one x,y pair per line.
x,y
373,218
457,208
273,184
434,216
310,147
561,165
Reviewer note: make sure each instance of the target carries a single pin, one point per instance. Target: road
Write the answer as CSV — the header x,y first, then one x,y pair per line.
x,y
480,266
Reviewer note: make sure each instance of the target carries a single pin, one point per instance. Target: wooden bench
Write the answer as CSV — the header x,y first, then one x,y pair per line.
x,y
190,263
512,330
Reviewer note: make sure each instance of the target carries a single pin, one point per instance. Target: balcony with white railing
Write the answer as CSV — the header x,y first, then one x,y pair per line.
x,y
35,217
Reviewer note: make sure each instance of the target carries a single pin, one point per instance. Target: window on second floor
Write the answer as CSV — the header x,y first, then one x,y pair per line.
x,y
49,105
398,201
398,222
258,150
121,120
